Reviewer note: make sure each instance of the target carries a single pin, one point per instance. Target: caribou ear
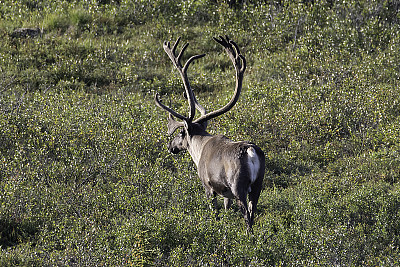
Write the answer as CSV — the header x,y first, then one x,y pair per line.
x,y
188,127
204,124
173,124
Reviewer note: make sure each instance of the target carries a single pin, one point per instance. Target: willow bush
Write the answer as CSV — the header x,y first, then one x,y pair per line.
x,y
85,176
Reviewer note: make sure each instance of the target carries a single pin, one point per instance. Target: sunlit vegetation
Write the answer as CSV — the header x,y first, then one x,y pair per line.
x,y
85,176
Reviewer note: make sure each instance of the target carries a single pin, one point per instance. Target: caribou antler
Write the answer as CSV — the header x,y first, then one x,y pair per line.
x,y
239,62
199,107
176,60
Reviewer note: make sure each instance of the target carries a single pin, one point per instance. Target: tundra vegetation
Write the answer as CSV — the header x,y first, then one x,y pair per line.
x,y
85,175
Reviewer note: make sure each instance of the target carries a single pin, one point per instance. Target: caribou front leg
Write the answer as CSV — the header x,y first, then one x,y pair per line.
x,y
212,197
227,203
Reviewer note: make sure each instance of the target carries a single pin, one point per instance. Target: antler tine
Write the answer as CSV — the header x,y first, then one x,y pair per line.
x,y
176,60
171,111
239,63
199,107
243,64
175,45
202,111
181,54
186,83
171,52
233,52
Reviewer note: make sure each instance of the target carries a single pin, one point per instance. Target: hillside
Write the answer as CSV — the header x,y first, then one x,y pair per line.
x,y
85,175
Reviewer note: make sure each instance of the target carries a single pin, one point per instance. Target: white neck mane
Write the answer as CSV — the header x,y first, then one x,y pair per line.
x,y
195,147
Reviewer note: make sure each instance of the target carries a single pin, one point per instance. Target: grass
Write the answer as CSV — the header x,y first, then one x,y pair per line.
x,y
85,176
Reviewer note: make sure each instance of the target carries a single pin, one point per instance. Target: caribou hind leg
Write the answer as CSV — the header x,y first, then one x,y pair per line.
x,y
242,203
255,188
241,200
253,198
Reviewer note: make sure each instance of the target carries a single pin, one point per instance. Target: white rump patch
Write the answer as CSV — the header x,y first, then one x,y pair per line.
x,y
254,164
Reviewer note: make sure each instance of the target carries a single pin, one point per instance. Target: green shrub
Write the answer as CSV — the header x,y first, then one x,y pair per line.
x,y
85,175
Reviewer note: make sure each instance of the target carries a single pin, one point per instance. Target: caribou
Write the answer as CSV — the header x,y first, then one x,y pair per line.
x,y
233,170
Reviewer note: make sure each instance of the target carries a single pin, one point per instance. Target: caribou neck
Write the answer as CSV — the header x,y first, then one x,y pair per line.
x,y
196,144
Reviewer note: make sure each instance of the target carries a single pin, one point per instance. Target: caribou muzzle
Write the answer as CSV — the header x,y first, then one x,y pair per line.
x,y
173,150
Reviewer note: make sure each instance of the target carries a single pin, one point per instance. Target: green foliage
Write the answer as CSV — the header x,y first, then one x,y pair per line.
x,y
85,176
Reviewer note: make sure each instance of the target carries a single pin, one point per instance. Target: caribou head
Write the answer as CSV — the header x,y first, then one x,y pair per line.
x,y
230,169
